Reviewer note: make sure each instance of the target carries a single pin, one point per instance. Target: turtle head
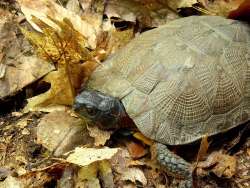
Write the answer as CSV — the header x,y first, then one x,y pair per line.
x,y
100,108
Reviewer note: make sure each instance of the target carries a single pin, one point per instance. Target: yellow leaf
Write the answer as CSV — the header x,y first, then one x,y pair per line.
x,y
60,93
66,49
43,9
144,139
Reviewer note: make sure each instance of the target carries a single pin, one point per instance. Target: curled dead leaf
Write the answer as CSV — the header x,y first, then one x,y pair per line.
x,y
221,165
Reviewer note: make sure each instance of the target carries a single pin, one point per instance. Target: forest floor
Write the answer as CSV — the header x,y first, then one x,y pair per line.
x,y
45,59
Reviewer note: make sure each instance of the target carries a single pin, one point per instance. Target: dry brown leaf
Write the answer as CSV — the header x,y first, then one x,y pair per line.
x,y
106,174
74,6
220,164
25,132
43,9
136,150
248,151
118,39
59,132
2,68
25,70
94,173
181,3
220,7
148,13
203,149
22,123
129,185
42,176
87,68
93,12
124,9
100,136
86,156
120,160
11,182
133,175
17,68
136,163
87,176
17,114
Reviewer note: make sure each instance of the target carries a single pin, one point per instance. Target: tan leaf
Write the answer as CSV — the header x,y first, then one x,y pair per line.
x,y
86,156
92,174
59,132
120,160
93,12
22,123
11,182
74,6
100,136
106,174
181,3
133,175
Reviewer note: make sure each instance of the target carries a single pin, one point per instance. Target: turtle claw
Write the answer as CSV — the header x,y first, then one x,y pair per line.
x,y
175,165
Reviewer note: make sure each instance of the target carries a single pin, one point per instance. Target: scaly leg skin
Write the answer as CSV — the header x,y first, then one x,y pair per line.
x,y
175,165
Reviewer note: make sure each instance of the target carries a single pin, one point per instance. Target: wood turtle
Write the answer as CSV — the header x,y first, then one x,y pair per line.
x,y
183,80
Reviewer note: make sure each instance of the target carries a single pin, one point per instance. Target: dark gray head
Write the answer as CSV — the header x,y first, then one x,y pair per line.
x,y
100,108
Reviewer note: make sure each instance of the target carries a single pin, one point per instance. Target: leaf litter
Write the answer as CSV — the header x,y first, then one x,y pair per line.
x,y
75,40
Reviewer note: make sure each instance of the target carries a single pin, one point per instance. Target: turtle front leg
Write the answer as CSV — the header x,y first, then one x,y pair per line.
x,y
175,165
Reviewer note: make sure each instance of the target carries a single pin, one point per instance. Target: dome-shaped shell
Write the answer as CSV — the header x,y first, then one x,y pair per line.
x,y
183,80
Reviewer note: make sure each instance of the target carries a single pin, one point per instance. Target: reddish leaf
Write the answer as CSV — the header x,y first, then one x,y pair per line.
x,y
136,150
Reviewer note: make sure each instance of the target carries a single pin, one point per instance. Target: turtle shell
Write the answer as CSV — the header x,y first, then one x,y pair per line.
x,y
186,79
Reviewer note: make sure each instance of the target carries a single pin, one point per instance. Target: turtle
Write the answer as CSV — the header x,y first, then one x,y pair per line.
x,y
178,82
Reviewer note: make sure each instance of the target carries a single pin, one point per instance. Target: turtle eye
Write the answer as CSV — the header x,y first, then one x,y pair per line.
x,y
91,111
